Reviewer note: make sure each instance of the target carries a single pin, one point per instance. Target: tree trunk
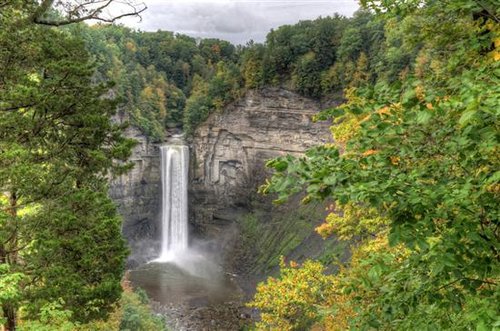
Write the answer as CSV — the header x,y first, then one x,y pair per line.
x,y
9,311
12,258
10,314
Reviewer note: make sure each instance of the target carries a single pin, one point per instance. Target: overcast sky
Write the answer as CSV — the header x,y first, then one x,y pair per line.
x,y
235,20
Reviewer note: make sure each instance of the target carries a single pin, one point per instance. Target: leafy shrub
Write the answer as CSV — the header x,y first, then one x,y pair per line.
x,y
291,301
137,315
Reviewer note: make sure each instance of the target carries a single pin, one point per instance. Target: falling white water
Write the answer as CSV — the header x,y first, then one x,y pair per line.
x,y
174,215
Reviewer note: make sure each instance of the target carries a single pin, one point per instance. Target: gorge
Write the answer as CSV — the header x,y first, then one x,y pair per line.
x,y
228,153
227,157
182,277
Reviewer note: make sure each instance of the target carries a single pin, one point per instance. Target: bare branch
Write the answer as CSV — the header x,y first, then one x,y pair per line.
x,y
84,10
18,107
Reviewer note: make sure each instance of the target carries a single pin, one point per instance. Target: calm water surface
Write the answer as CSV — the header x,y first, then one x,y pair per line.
x,y
194,282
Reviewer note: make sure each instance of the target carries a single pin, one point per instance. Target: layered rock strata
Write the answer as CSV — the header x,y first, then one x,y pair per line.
x,y
137,195
227,164
229,150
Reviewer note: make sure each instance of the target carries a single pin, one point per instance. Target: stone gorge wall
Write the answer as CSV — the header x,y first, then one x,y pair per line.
x,y
229,150
227,157
138,195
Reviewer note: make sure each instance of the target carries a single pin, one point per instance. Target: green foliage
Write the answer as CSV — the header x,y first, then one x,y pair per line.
x,y
290,42
224,86
132,313
291,301
198,106
215,50
351,43
264,238
212,95
252,66
155,74
52,317
81,268
60,232
306,76
421,158
320,57
136,314
10,286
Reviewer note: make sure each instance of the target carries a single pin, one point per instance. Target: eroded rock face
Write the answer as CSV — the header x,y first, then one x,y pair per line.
x,y
138,194
229,150
227,157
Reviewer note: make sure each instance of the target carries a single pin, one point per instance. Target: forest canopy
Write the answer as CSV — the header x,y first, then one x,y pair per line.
x,y
171,81
412,180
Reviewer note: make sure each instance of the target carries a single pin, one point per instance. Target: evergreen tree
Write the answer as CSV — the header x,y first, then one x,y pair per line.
x,y
60,238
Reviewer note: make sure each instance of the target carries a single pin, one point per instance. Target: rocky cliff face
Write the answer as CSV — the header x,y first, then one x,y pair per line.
x,y
229,150
138,195
228,154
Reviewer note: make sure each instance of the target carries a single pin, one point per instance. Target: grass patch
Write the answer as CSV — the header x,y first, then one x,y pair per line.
x,y
267,236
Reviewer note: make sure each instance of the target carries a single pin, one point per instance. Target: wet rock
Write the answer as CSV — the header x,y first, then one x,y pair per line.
x,y
137,195
229,150
221,317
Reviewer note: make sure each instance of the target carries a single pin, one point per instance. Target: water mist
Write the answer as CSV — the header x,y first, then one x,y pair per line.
x,y
181,273
174,216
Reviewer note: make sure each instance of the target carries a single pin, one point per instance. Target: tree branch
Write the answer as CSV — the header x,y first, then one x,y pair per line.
x,y
82,12
15,108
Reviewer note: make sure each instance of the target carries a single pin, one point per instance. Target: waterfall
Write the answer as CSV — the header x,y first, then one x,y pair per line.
x,y
174,213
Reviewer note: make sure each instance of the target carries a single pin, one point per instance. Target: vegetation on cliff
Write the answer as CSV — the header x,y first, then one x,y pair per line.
x,y
168,80
164,80
414,183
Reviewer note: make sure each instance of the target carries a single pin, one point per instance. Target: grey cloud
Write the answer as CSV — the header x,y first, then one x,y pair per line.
x,y
236,21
